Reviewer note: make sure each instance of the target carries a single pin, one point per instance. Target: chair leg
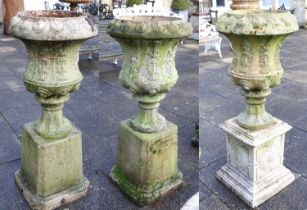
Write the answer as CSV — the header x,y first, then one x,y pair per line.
x,y
115,61
220,54
90,56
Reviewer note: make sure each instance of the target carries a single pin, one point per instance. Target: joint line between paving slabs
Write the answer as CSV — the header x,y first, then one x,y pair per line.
x,y
214,161
11,127
9,161
211,191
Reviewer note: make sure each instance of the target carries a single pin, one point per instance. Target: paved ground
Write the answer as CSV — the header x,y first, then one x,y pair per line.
x,y
221,100
96,109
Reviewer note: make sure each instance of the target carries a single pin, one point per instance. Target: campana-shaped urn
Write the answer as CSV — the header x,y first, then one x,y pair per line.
x,y
256,37
149,44
51,172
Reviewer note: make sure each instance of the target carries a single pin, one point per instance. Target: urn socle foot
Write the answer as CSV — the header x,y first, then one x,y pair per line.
x,y
254,168
51,169
148,119
255,117
147,163
54,201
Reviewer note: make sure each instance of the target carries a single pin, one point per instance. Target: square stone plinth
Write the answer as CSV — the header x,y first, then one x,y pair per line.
x,y
147,163
51,172
254,169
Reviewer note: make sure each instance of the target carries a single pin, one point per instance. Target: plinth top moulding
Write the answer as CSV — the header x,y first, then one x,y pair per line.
x,y
257,22
149,27
52,25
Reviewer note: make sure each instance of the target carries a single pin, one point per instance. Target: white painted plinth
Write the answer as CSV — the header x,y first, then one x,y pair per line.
x,y
254,168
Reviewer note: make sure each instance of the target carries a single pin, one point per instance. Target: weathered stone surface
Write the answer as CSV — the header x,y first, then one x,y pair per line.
x,y
149,27
43,165
54,201
287,102
256,37
149,45
257,22
52,71
51,171
146,166
99,144
52,25
254,169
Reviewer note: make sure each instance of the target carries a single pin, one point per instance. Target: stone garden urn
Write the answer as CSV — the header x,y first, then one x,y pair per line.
x,y
146,166
255,139
256,37
51,171
74,3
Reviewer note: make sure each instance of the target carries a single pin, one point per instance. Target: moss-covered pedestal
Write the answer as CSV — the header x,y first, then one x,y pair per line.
x,y
51,172
146,166
255,140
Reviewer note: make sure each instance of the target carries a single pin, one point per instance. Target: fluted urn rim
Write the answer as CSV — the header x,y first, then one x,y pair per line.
x,y
52,25
149,27
257,22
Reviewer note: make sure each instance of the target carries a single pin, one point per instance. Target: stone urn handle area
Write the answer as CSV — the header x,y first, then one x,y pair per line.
x,y
149,44
256,37
51,172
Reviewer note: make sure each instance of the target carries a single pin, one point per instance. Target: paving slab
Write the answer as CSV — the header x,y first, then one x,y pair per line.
x,y
204,191
10,148
212,144
213,202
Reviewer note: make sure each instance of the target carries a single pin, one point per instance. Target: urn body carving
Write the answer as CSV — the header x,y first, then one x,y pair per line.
x,y
149,45
256,37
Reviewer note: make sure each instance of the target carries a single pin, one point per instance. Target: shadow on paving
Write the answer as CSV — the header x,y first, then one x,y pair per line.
x,y
221,100
96,109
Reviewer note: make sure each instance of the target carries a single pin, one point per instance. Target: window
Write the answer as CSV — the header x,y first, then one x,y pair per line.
x,y
220,3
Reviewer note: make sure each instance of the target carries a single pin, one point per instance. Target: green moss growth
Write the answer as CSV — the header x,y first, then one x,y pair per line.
x,y
180,5
134,193
130,3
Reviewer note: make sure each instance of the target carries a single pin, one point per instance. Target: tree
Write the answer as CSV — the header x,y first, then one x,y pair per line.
x,y
180,5
130,3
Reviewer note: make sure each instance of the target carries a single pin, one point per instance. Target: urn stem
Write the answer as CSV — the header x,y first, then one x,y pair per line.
x,y
52,124
255,116
148,119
